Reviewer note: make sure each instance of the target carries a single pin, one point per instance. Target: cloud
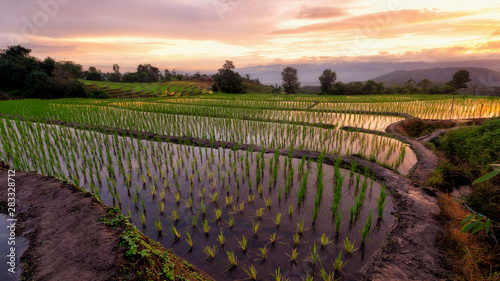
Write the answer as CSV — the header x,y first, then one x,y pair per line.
x,y
377,20
321,12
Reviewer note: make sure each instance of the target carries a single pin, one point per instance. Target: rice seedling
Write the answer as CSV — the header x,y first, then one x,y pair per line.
x,y
251,272
177,197
189,240
232,260
175,215
229,201
255,227
338,222
176,233
188,203
259,213
325,240
214,197
268,202
292,258
262,253
325,275
338,264
143,219
209,252
277,221
206,227
221,239
250,198
300,227
194,220
290,210
348,246
366,229
203,208
241,207
296,239
381,203
314,256
231,222
243,243
217,214
158,226
272,238
163,193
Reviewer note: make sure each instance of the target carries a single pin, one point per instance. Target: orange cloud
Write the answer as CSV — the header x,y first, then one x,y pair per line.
x,y
321,12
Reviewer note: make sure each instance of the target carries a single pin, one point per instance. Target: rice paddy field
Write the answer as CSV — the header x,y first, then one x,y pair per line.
x,y
254,214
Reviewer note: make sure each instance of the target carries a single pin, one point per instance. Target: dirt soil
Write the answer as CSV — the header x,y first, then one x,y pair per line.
x,y
66,239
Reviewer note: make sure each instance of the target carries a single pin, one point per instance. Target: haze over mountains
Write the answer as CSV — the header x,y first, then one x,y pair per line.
x,y
482,72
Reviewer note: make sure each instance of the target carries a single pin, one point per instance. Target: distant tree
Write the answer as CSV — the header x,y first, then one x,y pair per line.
x,y
197,75
179,77
114,76
174,73
93,74
152,73
68,70
372,87
460,78
410,87
424,84
290,80
327,79
168,75
228,81
48,66
14,52
16,64
116,68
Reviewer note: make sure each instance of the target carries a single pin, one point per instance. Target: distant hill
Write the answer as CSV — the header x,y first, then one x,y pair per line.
x,y
439,76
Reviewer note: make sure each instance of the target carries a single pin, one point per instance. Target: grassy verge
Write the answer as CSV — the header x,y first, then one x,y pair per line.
x,y
141,258
465,155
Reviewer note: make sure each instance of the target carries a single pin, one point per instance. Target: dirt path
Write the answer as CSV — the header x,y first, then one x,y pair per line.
x,y
67,240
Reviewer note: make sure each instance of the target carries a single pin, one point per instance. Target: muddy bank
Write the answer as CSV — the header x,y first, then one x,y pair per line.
x,y
68,239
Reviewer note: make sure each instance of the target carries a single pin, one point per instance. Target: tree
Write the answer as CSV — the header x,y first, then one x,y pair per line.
x,y
152,73
290,80
327,79
425,84
228,81
94,74
460,78
168,75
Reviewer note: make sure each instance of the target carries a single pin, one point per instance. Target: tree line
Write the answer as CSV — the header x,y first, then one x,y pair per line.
x,y
329,86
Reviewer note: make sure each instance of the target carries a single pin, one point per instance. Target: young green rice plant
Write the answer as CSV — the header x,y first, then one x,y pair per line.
x,y
158,226
290,210
338,264
325,275
277,221
206,227
143,219
259,213
255,227
189,240
214,197
296,239
229,200
348,246
293,256
217,214
209,252
221,239
366,229
325,240
381,203
203,208
262,253
163,193
243,243
272,238
251,272
315,214
232,260
231,222
176,233
268,202
194,220
241,207
175,215
338,222
189,203
314,256
250,198
177,197
300,227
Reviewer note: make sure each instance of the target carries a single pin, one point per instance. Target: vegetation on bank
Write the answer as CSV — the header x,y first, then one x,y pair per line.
x,y
466,155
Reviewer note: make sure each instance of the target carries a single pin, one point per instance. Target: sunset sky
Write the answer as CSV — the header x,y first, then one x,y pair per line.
x,y
202,34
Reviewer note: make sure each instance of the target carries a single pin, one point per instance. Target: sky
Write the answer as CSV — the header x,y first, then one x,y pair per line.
x,y
200,35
